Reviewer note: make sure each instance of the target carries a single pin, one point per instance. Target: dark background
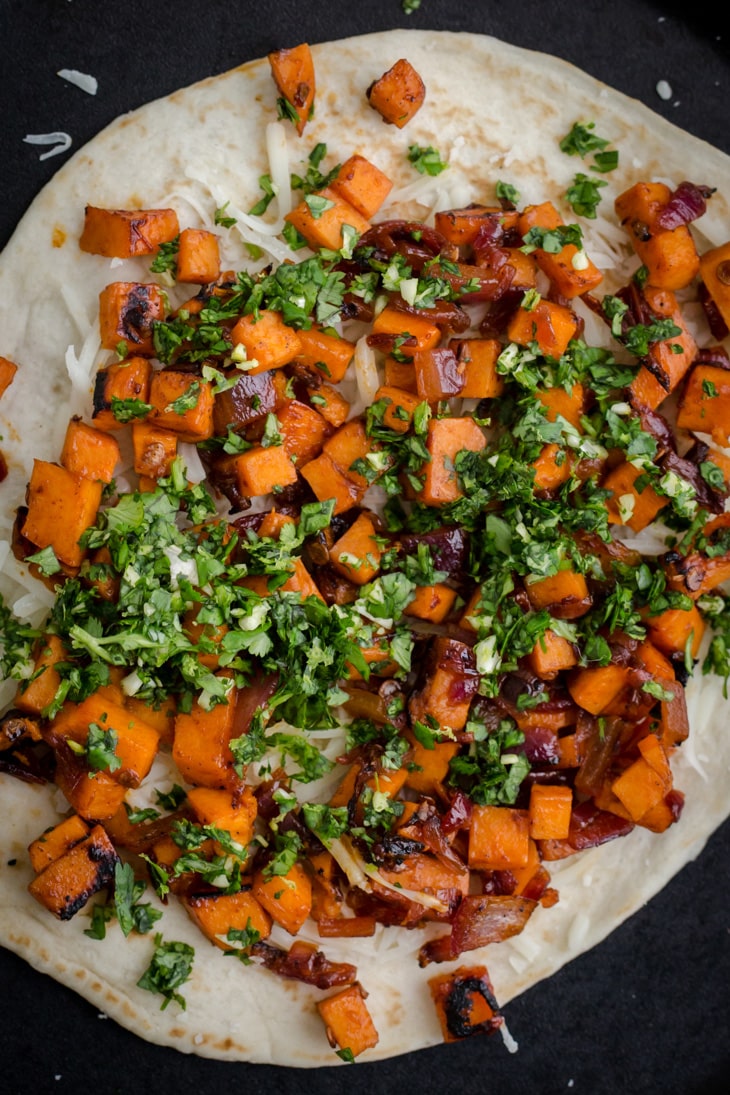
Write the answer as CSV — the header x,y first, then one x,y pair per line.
x,y
647,1011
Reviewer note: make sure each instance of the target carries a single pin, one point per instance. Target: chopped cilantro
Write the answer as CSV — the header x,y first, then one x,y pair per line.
x,y
169,968
427,161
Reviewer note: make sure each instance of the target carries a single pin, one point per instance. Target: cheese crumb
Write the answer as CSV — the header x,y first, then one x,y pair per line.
x,y
664,90
87,83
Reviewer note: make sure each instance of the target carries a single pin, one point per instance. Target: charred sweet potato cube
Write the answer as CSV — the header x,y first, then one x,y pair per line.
x,y
646,782
61,507
201,746
356,555
464,1002
333,406
363,185
8,369
267,340
438,375
398,94
90,453
286,898
40,691
304,431
551,326
234,812
154,449
326,353
398,325
715,274
446,438
251,398
704,405
56,842
499,838
68,882
462,226
670,256
477,358
125,233
321,219
124,381
570,276
198,257
347,1020
668,359
327,481
217,914
293,73
182,403
629,504
127,311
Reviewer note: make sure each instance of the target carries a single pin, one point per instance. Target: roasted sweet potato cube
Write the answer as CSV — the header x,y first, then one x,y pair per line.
x,y
630,504
217,914
432,602
704,405
124,233
438,375
327,481
356,555
61,507
347,1020
127,310
363,185
286,898
549,811
464,1002
293,73
561,403
477,358
321,219
570,276
462,226
267,340
56,842
420,334
668,359
640,787
263,470
40,691
8,369
125,381
161,718
234,812
398,94
551,654
68,882
715,274
304,431
154,449
95,796
551,326
565,594
201,746
273,523
596,687
333,406
182,403
450,685
428,768
446,438
669,256
553,467
346,447
250,399
90,453
674,628
137,742
399,407
499,838
198,257
328,354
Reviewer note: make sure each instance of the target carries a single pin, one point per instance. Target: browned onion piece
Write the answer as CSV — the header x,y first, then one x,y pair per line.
x,y
601,743
480,919
303,962
589,827
398,236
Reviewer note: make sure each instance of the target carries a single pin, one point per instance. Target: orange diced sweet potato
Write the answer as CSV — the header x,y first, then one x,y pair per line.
x,y
346,447
628,505
674,628
217,914
327,481
322,219
399,374
234,812
569,280
123,381
499,838
267,340
670,358
398,324
125,233
550,655
293,73
68,882
263,470
61,506
154,449
347,1020
90,453
286,898
56,841
704,405
477,359
559,402
303,430
432,602
333,406
715,274
471,989
183,404
551,326
669,256
356,555
438,375
137,742
565,594
553,467
428,768
201,745
8,369
462,226
399,407
34,696
449,686
363,185
127,310
198,257
594,688
398,94
549,811
328,354
446,438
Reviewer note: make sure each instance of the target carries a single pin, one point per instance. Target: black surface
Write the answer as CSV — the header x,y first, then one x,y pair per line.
x,y
645,1012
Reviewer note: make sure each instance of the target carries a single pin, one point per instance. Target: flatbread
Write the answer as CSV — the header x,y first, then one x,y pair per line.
x,y
496,112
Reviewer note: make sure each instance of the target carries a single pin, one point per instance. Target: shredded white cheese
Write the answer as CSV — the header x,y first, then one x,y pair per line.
x,y
87,83
61,141
664,90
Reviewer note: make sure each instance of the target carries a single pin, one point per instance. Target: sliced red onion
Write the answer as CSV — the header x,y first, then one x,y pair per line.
x,y
686,204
